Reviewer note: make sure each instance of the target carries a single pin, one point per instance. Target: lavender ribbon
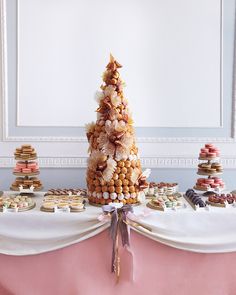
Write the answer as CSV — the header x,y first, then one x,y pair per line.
x,y
118,225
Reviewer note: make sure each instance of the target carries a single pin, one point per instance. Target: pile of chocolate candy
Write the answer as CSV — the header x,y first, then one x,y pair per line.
x,y
194,198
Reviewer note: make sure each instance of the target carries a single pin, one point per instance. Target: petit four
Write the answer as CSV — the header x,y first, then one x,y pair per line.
x,y
210,169
19,203
209,183
165,202
74,203
25,152
26,168
26,183
194,199
114,172
221,200
209,151
162,188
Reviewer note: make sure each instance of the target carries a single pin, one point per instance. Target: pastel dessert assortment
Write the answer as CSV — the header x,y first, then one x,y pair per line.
x,y
27,168
162,188
74,203
167,202
194,199
209,183
114,172
209,151
25,152
17,202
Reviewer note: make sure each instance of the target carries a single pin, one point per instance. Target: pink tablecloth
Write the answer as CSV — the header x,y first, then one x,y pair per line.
x,y
84,269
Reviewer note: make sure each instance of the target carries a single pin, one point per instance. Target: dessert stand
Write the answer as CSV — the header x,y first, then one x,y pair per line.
x,y
209,191
26,176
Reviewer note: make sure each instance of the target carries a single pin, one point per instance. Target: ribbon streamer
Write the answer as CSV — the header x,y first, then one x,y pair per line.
x,y
119,225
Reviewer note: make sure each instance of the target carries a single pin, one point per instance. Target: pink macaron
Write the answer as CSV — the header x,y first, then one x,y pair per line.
x,y
32,165
21,165
209,181
218,180
209,145
204,185
204,150
26,170
215,185
200,180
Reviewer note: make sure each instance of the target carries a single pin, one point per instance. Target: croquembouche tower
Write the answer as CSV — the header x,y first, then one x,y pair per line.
x,y
114,172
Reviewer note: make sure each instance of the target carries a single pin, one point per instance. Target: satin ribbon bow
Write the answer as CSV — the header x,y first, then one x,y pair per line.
x,y
118,226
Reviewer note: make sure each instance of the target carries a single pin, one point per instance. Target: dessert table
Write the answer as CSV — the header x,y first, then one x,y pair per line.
x,y
181,252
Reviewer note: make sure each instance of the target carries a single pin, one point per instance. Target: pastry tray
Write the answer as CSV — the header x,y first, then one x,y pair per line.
x,y
216,204
196,208
162,208
20,209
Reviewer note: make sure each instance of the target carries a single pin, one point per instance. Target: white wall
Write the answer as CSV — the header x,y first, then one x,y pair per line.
x,y
178,67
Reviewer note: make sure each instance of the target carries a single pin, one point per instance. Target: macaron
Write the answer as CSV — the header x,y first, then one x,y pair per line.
x,y
209,145
209,181
211,155
204,150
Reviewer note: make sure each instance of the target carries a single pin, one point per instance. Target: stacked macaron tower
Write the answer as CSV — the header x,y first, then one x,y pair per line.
x,y
209,166
26,169
114,172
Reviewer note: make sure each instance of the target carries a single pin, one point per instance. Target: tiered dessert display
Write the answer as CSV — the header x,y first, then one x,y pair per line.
x,y
114,172
26,169
209,167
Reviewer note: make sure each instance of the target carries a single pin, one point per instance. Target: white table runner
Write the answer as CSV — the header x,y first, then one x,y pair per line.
x,y
34,232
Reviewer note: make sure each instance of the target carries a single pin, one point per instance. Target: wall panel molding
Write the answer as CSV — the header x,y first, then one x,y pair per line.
x,y
12,138
70,161
183,162
139,139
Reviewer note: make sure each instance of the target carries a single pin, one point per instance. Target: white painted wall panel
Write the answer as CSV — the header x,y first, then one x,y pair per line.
x,y
171,52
